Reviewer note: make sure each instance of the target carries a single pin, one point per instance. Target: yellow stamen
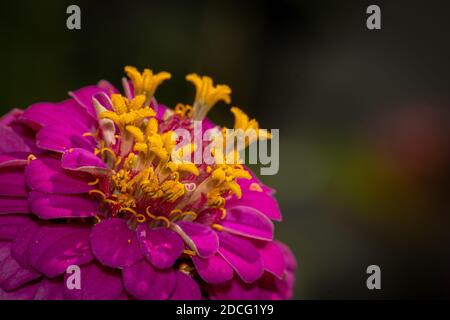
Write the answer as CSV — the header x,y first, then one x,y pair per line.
x,y
98,192
216,226
147,82
207,95
161,218
93,183
189,252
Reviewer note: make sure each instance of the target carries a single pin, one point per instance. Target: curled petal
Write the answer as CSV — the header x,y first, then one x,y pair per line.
x,y
84,161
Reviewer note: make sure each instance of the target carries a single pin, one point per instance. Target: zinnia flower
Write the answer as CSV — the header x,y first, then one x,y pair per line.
x,y
91,181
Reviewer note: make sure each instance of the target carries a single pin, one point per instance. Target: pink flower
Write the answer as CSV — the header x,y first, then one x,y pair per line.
x,y
92,181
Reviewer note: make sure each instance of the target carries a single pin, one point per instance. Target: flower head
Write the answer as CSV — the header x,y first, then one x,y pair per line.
x,y
104,181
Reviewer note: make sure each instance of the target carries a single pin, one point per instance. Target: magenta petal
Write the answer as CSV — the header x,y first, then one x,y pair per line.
x,y
66,113
144,282
160,246
49,290
289,258
13,205
11,142
114,244
84,161
258,196
46,175
272,258
202,239
12,275
55,247
236,290
246,221
12,182
84,97
10,224
16,159
242,255
22,241
53,206
213,269
59,138
23,293
97,283
185,288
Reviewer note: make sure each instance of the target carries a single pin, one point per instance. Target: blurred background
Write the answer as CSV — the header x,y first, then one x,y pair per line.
x,y
363,115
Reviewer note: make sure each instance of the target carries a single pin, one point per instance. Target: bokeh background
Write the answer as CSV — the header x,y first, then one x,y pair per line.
x,y
363,115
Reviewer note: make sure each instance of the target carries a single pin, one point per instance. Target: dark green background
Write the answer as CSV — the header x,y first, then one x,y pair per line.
x,y
363,115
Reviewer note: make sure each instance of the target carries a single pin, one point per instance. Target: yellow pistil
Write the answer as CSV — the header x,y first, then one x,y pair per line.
x,y
158,218
93,183
207,95
146,83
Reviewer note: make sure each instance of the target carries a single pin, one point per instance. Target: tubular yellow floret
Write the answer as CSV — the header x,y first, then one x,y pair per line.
x,y
147,82
207,95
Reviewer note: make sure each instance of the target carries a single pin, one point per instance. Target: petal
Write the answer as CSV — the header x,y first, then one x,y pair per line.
x,y
236,290
213,269
12,182
289,258
144,282
55,247
46,175
22,241
13,205
49,290
10,225
12,275
58,138
66,113
242,256
201,238
14,159
185,288
84,161
84,97
23,293
53,206
11,141
97,283
272,257
160,246
114,244
246,221
261,201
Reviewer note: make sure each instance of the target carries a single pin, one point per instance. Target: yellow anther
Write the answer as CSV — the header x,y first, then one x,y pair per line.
x,y
216,226
93,183
189,252
113,202
98,192
184,110
31,157
255,187
224,213
119,103
137,102
136,133
242,121
147,82
88,134
207,95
